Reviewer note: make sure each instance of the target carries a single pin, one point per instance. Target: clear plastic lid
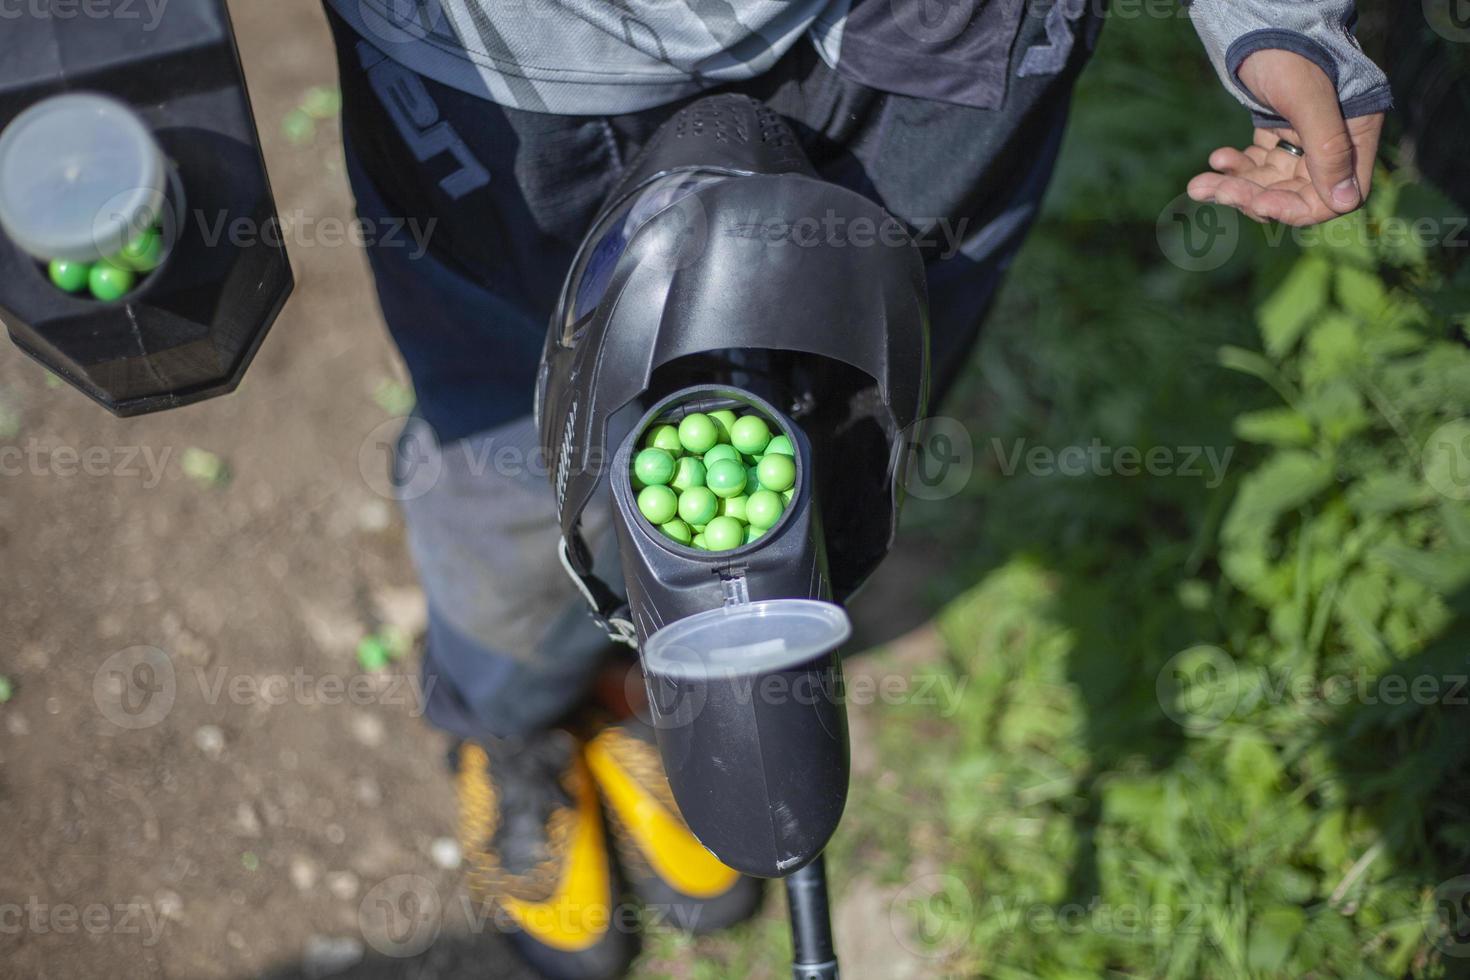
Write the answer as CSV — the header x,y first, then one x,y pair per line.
x,y
80,177
748,638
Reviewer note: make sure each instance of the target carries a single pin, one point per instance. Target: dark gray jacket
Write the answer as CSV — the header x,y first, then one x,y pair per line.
x,y
598,57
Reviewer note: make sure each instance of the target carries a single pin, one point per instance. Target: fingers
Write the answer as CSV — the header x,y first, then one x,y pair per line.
x,y
1312,108
1292,207
1202,187
1291,202
1365,132
1229,160
1284,160
1234,192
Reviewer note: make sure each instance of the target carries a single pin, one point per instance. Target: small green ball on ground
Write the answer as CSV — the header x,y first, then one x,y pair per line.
x,y
723,419
68,276
698,433
700,542
734,507
698,505
108,282
780,444
764,508
677,530
688,472
726,478
658,504
776,472
724,533
654,467
723,451
750,434
665,437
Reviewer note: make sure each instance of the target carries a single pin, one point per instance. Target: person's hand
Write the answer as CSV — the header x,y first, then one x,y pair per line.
x,y
1266,183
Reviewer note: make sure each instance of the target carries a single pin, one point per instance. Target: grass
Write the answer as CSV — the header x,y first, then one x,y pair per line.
x,y
1177,751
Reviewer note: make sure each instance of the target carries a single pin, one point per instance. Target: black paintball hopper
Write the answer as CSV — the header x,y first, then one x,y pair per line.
x,y
190,329
724,273
713,261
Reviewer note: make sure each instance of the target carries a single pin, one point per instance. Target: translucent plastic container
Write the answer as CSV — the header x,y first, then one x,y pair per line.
x,y
80,177
748,707
746,639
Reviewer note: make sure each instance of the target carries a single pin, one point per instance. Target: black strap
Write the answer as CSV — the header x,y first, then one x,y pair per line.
x,y
608,609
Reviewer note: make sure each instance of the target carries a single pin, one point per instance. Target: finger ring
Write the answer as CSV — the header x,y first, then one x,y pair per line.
x,y
1290,147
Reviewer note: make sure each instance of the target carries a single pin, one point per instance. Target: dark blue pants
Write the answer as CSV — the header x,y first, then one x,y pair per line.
x,y
503,197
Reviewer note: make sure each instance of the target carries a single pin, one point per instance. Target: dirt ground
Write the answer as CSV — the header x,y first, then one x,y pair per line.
x,y
196,781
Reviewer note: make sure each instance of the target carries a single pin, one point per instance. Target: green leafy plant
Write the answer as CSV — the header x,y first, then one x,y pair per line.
x,y
1188,742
